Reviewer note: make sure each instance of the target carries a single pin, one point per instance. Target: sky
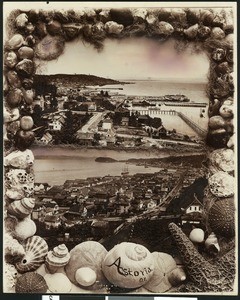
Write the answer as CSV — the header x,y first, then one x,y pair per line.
x,y
135,58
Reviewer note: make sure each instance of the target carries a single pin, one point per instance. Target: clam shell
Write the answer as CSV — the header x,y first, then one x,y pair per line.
x,y
36,250
58,283
221,218
31,282
222,160
22,208
221,184
57,258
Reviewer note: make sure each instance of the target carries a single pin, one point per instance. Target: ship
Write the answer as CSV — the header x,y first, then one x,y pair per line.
x,y
125,171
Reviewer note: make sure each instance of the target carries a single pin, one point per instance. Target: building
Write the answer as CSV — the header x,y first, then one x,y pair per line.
x,y
46,138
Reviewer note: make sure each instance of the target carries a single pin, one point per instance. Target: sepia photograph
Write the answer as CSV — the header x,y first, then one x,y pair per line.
x,y
119,148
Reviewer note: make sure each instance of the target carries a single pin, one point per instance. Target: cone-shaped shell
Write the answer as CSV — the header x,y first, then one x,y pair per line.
x,y
31,282
15,42
36,250
21,208
57,258
164,264
211,243
221,217
221,184
25,52
128,265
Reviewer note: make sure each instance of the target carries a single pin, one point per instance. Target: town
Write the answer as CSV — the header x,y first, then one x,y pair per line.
x,y
90,115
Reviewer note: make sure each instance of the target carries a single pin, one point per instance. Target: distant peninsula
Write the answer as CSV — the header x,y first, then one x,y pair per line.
x,y
74,80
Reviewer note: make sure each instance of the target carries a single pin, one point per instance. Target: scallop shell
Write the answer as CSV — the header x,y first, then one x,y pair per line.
x,y
221,184
36,250
221,217
57,258
222,160
22,208
31,282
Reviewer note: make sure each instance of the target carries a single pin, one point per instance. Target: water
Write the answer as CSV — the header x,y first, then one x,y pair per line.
x,y
54,168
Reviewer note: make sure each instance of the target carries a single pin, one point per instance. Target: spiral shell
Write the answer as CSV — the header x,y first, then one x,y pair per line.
x,y
36,250
221,184
221,217
31,282
57,258
128,265
22,208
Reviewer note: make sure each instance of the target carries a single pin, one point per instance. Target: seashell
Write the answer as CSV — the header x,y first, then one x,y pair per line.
x,y
10,115
177,276
222,68
24,139
219,20
21,208
14,97
15,193
222,160
26,123
36,250
27,83
57,258
25,67
26,228
61,16
193,15
10,59
28,96
18,176
31,282
164,264
164,28
13,79
192,31
196,235
25,52
71,30
104,15
204,31
211,243
221,184
121,16
218,54
29,28
41,29
10,277
50,47
221,87
230,143
15,42
206,17
19,159
216,122
128,265
21,20
87,254
54,27
179,15
229,56
139,13
13,250
226,111
112,27
58,283
30,41
221,217
98,30
217,33
85,276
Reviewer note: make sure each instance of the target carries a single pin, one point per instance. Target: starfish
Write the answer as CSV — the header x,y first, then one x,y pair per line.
x,y
203,276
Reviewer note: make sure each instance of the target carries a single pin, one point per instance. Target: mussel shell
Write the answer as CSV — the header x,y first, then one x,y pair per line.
x,y
36,250
221,217
31,282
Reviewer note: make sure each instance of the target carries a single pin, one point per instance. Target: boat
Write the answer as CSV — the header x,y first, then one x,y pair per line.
x,y
125,171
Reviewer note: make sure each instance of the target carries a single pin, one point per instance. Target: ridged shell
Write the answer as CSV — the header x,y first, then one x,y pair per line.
x,y
221,218
22,208
221,184
57,258
31,282
36,250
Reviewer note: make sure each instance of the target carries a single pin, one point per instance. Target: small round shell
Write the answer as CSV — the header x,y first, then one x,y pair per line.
x,y
31,282
221,184
36,250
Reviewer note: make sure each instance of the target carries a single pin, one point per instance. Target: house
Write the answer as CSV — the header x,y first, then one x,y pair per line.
x,y
46,138
52,221
125,121
85,138
107,124
193,212
57,123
